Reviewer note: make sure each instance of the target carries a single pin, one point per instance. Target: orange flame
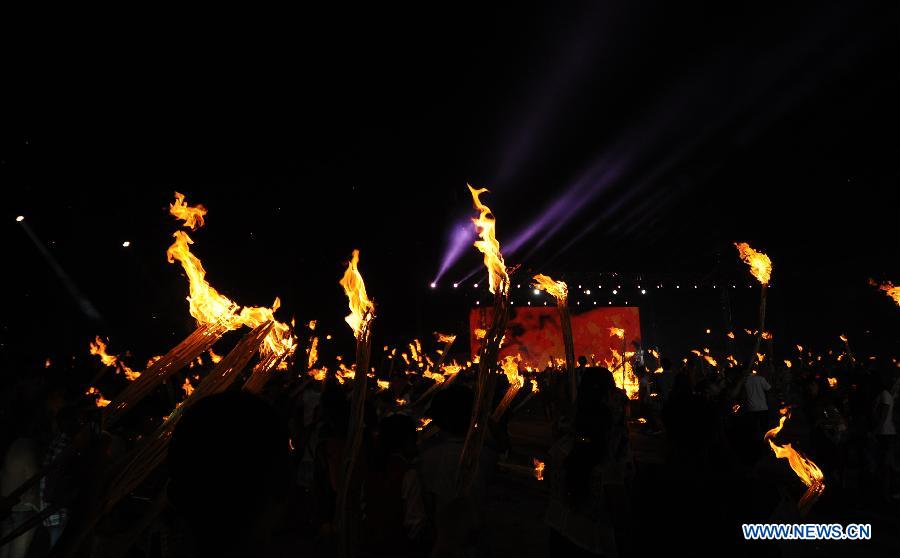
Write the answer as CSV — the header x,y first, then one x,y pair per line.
x,y
832,382
889,289
445,337
730,335
538,468
510,367
187,387
760,264
485,225
207,305
362,310
98,347
100,401
192,216
617,332
215,358
312,353
808,471
423,422
558,289
383,384
631,384
788,363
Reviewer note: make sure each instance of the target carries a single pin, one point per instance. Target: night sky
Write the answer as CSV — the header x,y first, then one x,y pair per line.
x,y
682,128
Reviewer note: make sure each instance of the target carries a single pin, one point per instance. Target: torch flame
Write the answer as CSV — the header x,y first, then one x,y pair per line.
x,y
362,310
760,264
538,468
207,305
808,471
485,225
889,289
558,289
192,216
98,347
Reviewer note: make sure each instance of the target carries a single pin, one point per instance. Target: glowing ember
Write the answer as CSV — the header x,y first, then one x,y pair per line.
x,y
485,226
558,289
362,310
767,335
312,353
187,387
889,289
808,471
100,401
538,468
730,335
760,264
215,358
47,363
383,384
423,422
832,382
735,408
788,363
445,337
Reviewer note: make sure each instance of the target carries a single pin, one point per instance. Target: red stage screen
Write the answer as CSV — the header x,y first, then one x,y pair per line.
x,y
535,334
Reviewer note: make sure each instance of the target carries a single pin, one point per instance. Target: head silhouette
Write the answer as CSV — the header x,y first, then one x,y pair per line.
x,y
228,466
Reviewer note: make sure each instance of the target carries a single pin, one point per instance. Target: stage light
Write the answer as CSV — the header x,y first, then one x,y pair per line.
x,y
477,302
578,303
126,244
595,303
433,285
579,286
518,286
529,303
20,218
626,303
587,292
695,286
610,303
537,291
475,285
455,285
677,286
615,291
643,291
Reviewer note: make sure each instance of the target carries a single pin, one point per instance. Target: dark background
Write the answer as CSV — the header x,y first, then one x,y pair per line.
x,y
312,133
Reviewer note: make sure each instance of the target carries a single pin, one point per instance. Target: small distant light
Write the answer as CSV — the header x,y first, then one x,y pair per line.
x,y
733,287
545,303
529,303
455,285
714,286
615,291
126,244
595,303
626,303
677,286
599,286
537,291
433,285
610,303
579,286
578,303
695,286
619,287
587,292
475,285
643,291
20,218
477,302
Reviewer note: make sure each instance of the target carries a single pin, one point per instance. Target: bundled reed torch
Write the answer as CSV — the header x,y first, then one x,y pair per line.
x,y
761,269
510,367
486,379
560,292
362,313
